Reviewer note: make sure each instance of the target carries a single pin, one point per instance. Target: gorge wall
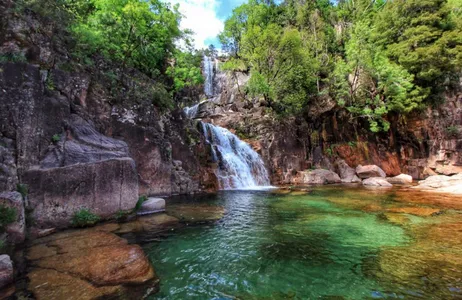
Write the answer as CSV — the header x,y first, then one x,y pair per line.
x,y
422,144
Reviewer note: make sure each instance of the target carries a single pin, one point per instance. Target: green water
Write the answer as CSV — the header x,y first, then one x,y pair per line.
x,y
328,244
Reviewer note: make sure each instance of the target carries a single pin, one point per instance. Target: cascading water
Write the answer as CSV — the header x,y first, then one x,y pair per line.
x,y
191,112
239,166
209,73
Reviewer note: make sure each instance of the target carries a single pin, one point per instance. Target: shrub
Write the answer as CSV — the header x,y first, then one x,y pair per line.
x,y
23,189
7,216
140,202
84,218
452,131
56,138
12,57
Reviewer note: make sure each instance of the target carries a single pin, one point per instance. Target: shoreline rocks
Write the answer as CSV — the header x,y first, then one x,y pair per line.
x,y
377,182
369,171
400,179
442,184
319,176
152,206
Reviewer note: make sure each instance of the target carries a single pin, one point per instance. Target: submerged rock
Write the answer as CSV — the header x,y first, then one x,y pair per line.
x,y
196,213
89,264
417,211
369,171
377,181
400,179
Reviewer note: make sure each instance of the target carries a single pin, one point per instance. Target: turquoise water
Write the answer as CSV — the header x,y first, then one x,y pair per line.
x,y
332,243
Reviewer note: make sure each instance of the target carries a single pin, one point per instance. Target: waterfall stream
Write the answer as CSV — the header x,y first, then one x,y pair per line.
x,y
239,166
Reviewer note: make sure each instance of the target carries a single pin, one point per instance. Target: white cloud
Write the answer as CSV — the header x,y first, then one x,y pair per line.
x,y
200,16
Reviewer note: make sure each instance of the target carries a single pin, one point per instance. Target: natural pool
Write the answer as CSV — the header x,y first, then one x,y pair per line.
x,y
331,243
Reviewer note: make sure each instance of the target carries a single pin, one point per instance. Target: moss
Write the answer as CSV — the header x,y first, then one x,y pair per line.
x,y
7,216
23,189
140,202
84,218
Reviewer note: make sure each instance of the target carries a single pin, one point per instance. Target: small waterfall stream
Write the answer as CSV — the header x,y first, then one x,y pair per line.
x,y
239,166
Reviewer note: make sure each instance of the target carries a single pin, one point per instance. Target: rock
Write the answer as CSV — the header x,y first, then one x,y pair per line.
x,y
104,188
6,271
417,211
369,171
400,179
151,223
152,205
83,144
196,213
16,231
320,176
443,184
377,181
89,265
346,173
8,172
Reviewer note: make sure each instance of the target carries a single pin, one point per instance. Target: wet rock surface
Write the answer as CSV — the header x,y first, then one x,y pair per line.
x,y
89,264
400,179
195,213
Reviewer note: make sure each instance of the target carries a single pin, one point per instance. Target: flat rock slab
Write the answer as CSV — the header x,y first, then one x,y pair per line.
x,y
89,264
152,206
443,184
150,223
417,211
377,182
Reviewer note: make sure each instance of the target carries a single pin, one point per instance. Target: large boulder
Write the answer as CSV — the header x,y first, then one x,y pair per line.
x,y
152,205
443,184
92,264
377,181
320,176
370,171
346,173
16,231
400,179
6,271
104,188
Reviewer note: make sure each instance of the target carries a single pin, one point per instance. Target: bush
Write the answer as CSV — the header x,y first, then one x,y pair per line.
x,y
23,189
84,218
56,138
140,202
7,216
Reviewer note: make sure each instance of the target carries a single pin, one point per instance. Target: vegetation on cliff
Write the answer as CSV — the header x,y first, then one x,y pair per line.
x,y
130,34
373,57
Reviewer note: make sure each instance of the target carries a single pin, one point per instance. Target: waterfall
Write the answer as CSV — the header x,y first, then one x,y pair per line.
x,y
191,112
239,166
209,72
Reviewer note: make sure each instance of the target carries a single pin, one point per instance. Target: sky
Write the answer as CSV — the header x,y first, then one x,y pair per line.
x,y
206,18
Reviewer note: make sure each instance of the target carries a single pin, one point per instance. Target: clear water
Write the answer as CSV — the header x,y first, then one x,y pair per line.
x,y
334,243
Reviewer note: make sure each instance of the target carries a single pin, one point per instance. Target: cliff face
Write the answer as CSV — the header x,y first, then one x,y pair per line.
x,y
422,144
60,117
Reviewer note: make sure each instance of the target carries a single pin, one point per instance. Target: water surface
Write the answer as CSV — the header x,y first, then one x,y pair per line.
x,y
332,243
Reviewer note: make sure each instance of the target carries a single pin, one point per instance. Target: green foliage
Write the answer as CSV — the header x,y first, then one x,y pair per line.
x,y
122,215
56,138
7,216
452,131
140,202
373,57
186,70
12,57
23,189
84,218
136,33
